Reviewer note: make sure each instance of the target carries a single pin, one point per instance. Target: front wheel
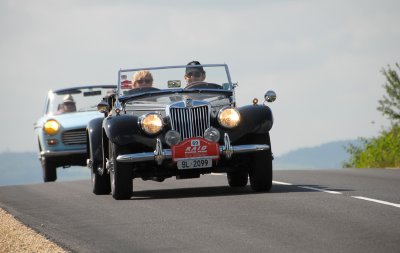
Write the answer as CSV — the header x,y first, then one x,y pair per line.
x,y
237,178
101,183
120,175
260,171
49,170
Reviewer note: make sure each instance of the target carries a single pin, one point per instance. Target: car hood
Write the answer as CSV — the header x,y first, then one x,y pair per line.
x,y
76,119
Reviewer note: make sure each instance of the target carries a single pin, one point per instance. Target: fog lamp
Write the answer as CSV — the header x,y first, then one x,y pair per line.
x,y
172,137
212,134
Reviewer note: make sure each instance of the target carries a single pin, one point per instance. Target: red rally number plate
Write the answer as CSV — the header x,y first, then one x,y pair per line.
x,y
195,148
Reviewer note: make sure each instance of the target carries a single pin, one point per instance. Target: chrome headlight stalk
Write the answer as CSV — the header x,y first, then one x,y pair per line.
x,y
228,117
151,123
172,137
118,107
212,134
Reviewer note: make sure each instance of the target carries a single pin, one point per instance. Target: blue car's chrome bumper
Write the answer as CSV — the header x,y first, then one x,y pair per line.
x,y
49,153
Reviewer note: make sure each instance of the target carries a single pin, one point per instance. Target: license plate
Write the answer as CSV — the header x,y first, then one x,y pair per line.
x,y
194,163
195,148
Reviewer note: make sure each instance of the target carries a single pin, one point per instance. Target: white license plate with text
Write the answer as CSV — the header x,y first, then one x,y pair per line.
x,y
194,163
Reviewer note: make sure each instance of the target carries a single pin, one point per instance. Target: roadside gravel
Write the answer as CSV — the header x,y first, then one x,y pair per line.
x,y
16,237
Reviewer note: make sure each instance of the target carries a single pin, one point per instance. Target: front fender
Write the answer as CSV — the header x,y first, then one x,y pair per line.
x,y
94,135
121,129
255,119
125,129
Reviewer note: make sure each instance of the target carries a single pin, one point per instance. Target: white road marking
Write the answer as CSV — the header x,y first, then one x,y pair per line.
x,y
320,190
307,187
378,201
332,192
282,183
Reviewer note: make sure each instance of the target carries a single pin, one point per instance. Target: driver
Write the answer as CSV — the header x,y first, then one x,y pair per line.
x,y
194,74
68,104
141,79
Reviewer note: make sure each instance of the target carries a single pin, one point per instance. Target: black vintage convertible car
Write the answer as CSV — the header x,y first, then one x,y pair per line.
x,y
178,121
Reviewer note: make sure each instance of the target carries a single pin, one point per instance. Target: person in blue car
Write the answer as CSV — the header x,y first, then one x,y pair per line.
x,y
68,105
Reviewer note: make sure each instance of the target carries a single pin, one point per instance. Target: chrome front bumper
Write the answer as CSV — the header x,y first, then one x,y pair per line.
x,y
49,153
160,154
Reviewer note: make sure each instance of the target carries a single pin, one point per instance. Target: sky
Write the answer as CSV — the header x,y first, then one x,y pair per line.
x,y
322,58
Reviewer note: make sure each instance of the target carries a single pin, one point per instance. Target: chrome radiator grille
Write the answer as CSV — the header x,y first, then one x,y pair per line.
x,y
190,121
74,137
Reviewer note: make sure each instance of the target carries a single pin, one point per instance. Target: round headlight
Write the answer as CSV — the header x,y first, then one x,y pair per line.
x,y
51,127
212,134
151,123
229,117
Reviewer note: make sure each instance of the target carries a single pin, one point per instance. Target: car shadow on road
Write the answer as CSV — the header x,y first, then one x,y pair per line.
x,y
211,191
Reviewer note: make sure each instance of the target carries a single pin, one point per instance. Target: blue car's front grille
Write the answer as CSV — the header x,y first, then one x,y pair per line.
x,y
74,137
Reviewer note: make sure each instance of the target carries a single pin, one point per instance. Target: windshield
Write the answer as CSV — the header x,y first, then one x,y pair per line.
x,y
76,99
206,76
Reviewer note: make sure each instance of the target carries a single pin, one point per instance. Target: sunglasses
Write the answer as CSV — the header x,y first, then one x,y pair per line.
x,y
195,74
141,81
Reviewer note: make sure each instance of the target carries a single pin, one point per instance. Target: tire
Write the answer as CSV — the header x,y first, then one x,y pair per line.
x,y
260,172
237,178
100,183
120,175
49,170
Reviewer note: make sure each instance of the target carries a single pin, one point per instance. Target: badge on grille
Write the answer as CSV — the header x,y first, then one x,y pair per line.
x,y
189,102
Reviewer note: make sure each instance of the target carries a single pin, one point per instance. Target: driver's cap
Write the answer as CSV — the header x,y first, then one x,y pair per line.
x,y
68,98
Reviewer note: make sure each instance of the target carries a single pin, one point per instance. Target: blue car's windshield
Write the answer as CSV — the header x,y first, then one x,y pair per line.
x,y
76,99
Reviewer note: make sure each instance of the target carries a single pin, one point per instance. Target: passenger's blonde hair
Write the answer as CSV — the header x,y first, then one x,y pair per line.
x,y
139,75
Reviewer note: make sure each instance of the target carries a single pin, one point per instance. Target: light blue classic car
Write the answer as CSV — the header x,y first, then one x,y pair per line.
x,y
61,131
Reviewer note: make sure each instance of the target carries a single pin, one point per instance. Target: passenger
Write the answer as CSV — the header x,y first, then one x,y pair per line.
x,y
68,105
142,79
194,74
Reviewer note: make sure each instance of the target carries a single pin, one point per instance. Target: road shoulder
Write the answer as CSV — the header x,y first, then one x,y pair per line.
x,y
16,237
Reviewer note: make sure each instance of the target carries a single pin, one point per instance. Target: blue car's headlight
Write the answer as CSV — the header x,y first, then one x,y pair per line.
x,y
51,127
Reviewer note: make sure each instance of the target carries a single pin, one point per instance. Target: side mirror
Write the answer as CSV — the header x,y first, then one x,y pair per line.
x,y
270,96
103,107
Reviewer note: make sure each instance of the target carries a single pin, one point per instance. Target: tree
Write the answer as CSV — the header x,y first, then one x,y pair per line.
x,y
382,151
390,104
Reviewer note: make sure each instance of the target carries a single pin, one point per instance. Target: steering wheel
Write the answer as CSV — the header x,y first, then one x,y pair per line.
x,y
203,85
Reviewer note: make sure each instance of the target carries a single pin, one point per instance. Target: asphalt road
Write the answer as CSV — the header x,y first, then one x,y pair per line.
x,y
306,211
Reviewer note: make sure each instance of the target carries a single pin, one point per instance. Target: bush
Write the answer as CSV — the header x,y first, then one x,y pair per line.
x,y
379,152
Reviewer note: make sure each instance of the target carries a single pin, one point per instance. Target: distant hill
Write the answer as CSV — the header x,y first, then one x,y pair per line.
x,y
24,168
326,156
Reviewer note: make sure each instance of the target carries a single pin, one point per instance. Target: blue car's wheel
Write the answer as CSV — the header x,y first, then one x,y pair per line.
x,y
49,170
